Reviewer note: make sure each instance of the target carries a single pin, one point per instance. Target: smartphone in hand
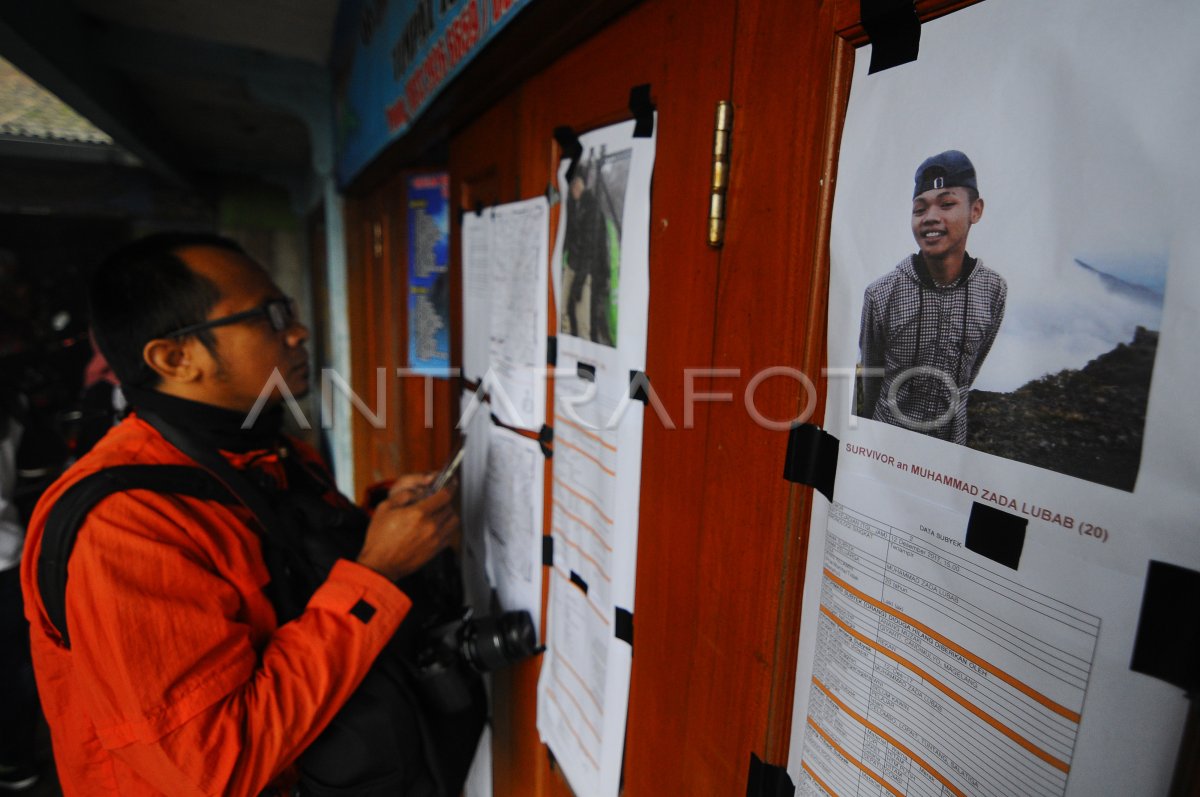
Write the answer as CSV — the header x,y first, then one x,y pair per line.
x,y
450,468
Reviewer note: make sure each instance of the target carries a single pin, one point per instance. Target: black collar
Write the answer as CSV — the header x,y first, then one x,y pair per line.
x,y
926,279
214,425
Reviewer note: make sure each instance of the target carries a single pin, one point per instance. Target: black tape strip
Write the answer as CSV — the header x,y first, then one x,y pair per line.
x,y
578,581
623,625
585,371
812,457
767,780
996,534
548,551
1167,645
546,440
895,32
642,108
551,351
571,147
638,382
479,207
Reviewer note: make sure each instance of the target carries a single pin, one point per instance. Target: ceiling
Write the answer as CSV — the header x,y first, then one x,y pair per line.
x,y
198,91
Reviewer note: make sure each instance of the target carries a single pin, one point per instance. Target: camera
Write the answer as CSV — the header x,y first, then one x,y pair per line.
x,y
455,652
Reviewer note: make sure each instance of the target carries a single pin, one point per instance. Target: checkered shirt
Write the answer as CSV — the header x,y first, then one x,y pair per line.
x,y
930,341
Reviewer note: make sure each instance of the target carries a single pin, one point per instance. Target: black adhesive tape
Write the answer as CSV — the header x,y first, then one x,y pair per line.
x,y
768,780
479,207
642,108
578,581
1167,645
551,351
638,382
996,534
894,30
585,371
623,625
571,147
548,551
812,457
546,440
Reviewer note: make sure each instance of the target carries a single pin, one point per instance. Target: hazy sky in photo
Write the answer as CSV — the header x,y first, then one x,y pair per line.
x,y
1075,137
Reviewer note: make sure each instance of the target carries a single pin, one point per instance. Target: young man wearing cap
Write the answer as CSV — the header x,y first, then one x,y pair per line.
x,y
928,324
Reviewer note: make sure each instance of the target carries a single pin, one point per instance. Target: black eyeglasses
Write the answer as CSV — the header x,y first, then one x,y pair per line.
x,y
280,313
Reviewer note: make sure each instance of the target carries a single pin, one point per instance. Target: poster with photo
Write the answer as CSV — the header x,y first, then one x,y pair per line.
x,y
602,277
429,273
1014,286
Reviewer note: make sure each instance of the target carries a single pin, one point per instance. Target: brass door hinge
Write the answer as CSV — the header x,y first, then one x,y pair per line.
x,y
720,174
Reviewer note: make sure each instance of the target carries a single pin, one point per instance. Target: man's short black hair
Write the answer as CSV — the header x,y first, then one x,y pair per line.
x,y
145,291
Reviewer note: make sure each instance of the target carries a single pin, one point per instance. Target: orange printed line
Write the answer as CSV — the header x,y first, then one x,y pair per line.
x,y
820,782
921,762
586,556
567,719
599,464
853,760
567,664
1028,691
579,708
583,498
1058,764
584,523
596,609
586,433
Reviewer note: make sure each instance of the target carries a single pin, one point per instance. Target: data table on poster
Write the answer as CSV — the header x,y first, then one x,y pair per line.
x,y
935,674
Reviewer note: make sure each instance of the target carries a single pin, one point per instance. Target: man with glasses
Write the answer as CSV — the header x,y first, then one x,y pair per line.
x,y
178,676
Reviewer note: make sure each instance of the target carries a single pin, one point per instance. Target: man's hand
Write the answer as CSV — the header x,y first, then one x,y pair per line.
x,y
408,530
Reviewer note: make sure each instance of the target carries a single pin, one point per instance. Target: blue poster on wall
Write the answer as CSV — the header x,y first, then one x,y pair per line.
x,y
429,273
393,57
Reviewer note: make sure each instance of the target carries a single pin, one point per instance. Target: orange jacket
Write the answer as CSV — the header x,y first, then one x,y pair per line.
x,y
178,680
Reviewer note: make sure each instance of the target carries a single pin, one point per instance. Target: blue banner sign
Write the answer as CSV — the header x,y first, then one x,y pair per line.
x,y
393,57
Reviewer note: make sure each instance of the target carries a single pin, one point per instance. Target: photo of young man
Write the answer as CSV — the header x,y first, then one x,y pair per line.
x,y
928,325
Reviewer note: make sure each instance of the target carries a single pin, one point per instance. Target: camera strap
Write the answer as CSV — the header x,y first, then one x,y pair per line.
x,y
282,551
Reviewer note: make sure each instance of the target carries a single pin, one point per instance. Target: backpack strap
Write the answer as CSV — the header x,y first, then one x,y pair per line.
x,y
283,548
69,511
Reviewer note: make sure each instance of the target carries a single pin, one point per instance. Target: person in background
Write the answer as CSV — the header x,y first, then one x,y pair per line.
x,y
18,698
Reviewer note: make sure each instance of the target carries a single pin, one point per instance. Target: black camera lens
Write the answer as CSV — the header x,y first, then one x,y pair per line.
x,y
496,641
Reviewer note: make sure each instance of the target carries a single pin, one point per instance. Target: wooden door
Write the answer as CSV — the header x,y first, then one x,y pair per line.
x,y
405,425
722,536
509,153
